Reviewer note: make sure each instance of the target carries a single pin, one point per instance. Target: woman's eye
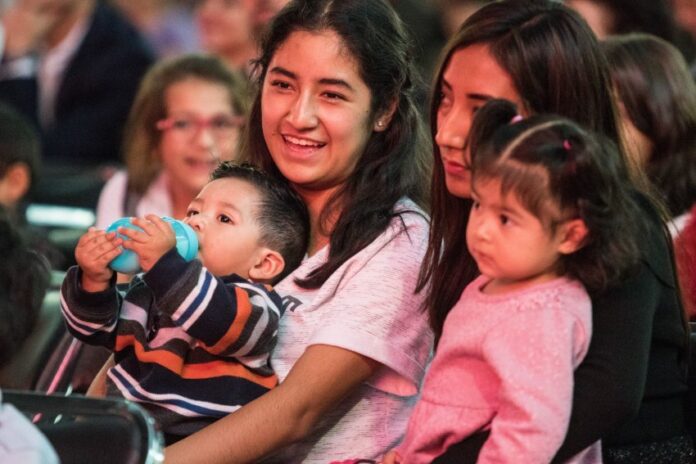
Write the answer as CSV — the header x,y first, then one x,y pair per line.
x,y
334,96
504,219
476,205
444,101
280,85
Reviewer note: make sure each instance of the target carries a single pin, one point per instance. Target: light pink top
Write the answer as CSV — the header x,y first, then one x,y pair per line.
x,y
367,306
505,363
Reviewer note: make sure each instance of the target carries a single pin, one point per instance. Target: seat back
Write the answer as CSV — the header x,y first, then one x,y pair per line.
x,y
82,429
26,366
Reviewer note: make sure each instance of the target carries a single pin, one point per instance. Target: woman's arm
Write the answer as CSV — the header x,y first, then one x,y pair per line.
x,y
320,378
610,383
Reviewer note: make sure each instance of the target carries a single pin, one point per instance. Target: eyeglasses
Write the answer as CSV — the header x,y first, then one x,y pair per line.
x,y
220,126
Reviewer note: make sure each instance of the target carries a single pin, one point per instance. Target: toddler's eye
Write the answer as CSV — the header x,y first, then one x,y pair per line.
x,y
224,219
504,219
191,212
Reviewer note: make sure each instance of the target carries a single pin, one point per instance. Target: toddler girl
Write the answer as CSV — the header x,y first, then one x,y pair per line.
x,y
548,202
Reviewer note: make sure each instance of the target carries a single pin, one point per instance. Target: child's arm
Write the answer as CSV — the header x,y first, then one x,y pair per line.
x,y
89,300
533,354
237,318
229,320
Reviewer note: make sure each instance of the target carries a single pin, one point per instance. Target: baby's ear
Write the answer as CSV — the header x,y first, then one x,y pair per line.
x,y
573,235
269,264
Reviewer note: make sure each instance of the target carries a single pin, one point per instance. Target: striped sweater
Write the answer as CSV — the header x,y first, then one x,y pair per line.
x,y
189,346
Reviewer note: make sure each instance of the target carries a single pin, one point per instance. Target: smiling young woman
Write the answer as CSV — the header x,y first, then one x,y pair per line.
x,y
335,116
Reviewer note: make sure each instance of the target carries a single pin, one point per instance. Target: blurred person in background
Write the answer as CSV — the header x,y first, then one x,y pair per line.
x,y
454,12
613,17
72,67
167,25
227,29
185,119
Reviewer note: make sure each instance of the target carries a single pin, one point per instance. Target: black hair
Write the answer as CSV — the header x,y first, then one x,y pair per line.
x,y
282,215
24,279
559,171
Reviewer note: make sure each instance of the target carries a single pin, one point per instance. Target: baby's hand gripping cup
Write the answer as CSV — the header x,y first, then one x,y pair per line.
x,y
127,262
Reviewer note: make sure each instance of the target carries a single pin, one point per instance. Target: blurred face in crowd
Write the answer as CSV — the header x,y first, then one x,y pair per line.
x,y
200,129
226,26
597,14
264,10
471,78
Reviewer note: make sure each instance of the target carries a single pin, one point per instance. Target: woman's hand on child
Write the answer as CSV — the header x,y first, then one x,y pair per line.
x,y
93,253
154,241
392,457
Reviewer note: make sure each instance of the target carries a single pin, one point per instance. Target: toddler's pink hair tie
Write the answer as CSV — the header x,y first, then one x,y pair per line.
x,y
516,118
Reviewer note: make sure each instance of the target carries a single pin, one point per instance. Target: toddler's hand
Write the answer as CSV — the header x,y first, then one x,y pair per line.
x,y
93,253
154,241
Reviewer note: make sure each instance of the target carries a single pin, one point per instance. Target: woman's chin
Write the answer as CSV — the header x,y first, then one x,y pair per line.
x,y
458,187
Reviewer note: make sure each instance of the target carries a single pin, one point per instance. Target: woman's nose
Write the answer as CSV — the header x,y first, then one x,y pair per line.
x,y
302,113
453,130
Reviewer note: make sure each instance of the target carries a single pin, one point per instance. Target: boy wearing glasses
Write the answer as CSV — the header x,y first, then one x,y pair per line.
x,y
192,340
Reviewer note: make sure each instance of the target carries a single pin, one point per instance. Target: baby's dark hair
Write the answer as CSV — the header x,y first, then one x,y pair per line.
x,y
24,280
554,166
282,215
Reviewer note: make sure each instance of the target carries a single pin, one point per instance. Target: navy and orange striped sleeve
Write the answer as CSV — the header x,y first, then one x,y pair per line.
x,y
230,316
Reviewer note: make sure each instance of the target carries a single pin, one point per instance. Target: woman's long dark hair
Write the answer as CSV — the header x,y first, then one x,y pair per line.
x,y
556,65
394,163
658,93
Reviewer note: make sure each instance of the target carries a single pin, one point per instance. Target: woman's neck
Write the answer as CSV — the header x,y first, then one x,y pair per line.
x,y
316,201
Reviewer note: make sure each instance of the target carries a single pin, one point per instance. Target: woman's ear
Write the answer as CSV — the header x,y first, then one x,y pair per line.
x,y
572,234
269,265
382,121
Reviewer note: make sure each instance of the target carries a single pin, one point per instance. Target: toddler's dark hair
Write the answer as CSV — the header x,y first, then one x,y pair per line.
x,y
282,215
553,165
24,279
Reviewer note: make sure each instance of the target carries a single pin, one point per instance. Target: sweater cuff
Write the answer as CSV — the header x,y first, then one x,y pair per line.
x,y
98,302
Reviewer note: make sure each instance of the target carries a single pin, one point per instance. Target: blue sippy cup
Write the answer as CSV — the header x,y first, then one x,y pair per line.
x,y
127,261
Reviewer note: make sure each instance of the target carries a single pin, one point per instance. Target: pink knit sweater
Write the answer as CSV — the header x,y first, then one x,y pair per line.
x,y
505,362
